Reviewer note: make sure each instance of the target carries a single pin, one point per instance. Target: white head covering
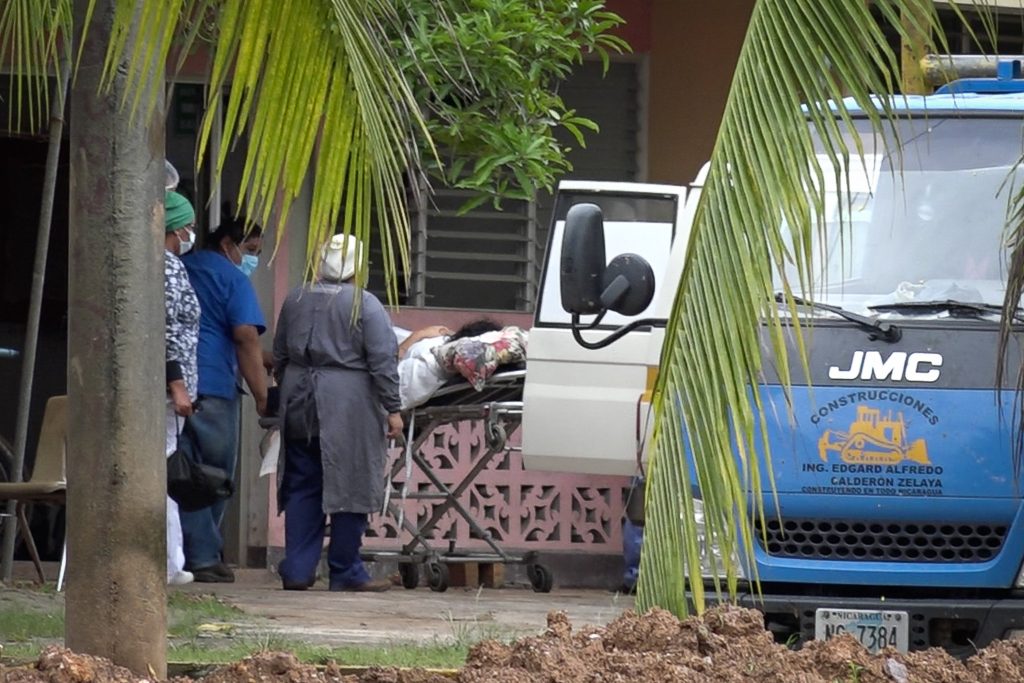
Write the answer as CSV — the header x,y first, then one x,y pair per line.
x,y
172,176
338,258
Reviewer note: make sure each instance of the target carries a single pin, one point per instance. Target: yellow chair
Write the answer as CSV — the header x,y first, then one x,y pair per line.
x,y
48,483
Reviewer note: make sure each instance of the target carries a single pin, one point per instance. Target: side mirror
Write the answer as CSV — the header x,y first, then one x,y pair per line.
x,y
582,264
627,285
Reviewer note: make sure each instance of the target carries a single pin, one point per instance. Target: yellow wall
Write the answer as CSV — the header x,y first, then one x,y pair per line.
x,y
694,48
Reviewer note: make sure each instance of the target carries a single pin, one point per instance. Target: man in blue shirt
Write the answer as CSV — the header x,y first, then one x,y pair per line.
x,y
229,331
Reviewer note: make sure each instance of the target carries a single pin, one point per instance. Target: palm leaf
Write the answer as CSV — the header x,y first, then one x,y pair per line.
x,y
310,86
33,38
763,174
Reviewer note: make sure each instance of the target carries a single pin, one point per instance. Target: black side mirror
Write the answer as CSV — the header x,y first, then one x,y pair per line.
x,y
582,264
590,287
627,285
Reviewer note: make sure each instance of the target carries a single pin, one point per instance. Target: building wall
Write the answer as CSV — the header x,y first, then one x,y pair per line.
x,y
694,48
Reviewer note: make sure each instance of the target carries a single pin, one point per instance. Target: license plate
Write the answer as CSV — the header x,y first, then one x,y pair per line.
x,y
874,629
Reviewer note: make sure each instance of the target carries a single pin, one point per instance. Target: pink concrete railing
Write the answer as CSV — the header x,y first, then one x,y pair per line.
x,y
521,509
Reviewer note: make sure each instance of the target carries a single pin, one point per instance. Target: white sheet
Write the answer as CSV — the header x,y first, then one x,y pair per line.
x,y
419,374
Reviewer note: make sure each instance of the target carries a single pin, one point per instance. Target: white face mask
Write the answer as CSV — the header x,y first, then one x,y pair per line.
x,y
185,246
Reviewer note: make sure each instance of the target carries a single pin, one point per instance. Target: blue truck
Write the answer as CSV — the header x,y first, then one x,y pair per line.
x,y
898,516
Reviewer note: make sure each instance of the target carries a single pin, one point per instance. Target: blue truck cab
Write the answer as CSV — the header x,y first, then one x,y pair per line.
x,y
895,511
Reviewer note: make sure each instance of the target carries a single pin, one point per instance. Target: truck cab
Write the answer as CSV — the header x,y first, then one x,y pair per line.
x,y
895,508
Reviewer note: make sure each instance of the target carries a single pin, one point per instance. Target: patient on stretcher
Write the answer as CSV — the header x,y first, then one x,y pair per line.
x,y
430,357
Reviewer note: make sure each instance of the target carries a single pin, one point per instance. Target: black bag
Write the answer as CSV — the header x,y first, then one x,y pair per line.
x,y
193,485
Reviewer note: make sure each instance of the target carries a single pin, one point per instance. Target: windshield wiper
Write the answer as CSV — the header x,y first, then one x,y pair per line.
x,y
952,306
876,329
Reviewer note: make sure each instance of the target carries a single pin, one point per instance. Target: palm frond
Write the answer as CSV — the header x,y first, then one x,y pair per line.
x,y
311,86
34,36
350,108
798,57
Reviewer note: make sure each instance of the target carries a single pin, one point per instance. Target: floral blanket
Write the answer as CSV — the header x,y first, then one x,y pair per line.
x,y
476,358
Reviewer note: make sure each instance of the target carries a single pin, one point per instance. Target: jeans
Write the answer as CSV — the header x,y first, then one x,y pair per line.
x,y
632,543
305,522
211,436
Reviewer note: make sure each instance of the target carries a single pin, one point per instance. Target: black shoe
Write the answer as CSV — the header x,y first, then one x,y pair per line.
x,y
297,585
217,573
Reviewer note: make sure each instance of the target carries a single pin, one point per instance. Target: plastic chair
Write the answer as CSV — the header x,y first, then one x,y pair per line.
x,y
48,483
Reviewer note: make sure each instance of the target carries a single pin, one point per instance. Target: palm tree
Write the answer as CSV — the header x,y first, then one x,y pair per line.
x,y
798,56
314,89
349,93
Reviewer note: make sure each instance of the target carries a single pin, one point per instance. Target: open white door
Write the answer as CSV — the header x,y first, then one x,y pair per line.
x,y
581,405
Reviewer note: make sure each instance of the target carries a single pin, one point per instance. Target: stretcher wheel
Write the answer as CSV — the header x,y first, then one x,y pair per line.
x,y
495,435
541,578
410,573
437,577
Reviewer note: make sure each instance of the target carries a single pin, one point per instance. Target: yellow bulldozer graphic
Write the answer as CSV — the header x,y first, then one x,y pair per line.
x,y
874,440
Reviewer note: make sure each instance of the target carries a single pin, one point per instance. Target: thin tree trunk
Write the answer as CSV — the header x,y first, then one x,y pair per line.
x,y
28,355
116,600
911,53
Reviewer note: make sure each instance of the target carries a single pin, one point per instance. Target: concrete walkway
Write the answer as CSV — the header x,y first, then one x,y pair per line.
x,y
399,615
320,617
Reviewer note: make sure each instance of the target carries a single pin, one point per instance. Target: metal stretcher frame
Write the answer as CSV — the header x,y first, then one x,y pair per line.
x,y
499,406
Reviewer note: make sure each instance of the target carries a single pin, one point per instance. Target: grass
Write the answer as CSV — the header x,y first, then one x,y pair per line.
x,y
30,620
436,655
200,632
439,654
188,612
25,626
29,614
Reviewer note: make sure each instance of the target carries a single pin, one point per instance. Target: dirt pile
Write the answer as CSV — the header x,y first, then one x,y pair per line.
x,y
57,665
278,667
725,645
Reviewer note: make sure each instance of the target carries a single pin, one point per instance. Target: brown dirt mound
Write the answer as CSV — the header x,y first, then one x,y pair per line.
x,y
57,665
726,644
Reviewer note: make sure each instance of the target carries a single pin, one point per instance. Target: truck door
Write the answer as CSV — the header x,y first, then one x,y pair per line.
x,y
581,406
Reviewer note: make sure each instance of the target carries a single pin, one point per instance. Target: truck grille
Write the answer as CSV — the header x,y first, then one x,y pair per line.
x,y
880,541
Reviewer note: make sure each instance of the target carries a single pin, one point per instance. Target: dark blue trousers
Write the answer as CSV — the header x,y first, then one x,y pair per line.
x,y
304,523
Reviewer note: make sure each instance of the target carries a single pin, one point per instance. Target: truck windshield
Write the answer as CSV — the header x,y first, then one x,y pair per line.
x,y
923,218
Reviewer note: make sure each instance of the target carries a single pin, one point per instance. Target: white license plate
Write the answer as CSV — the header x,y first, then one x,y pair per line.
x,y
874,629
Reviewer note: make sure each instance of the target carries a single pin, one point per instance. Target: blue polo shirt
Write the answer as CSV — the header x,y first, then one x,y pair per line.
x,y
227,299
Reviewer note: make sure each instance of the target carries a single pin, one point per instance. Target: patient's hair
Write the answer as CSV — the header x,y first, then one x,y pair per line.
x,y
474,328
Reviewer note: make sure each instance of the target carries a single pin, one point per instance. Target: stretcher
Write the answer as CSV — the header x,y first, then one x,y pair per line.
x,y
499,406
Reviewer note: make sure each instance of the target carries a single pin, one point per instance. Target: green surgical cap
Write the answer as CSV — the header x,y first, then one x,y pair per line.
x,y
177,212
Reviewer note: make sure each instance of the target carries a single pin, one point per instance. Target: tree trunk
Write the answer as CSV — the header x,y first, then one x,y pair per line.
x,y
912,51
116,599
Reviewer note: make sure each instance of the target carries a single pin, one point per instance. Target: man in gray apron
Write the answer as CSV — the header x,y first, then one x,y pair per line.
x,y
339,403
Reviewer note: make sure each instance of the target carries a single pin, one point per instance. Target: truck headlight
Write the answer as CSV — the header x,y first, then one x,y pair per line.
x,y
710,550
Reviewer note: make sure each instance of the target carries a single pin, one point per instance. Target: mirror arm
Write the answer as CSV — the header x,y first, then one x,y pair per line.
x,y
592,325
612,337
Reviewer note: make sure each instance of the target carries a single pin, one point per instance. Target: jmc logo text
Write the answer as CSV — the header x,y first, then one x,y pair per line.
x,y
898,366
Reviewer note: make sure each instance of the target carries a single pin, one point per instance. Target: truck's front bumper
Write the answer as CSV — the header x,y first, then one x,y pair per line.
x,y
959,626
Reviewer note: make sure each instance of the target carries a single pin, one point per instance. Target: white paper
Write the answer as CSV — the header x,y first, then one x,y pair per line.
x,y
270,447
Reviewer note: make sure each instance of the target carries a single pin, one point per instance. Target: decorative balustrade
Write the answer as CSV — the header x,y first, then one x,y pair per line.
x,y
521,509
